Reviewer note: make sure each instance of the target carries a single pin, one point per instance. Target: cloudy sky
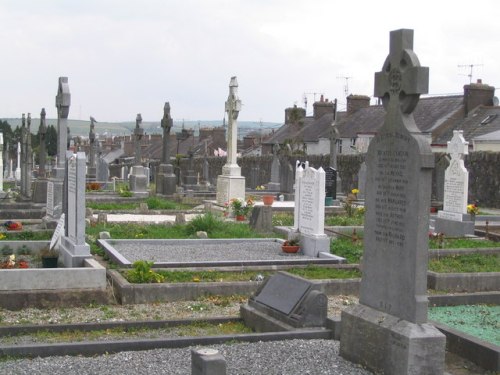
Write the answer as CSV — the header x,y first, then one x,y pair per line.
x,y
124,57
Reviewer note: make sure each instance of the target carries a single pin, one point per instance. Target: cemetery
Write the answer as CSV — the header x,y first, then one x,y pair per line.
x,y
199,266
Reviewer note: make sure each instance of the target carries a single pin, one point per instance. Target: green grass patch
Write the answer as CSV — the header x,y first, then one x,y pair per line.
x,y
344,247
461,243
282,219
344,220
112,206
477,320
154,203
310,272
466,263
27,236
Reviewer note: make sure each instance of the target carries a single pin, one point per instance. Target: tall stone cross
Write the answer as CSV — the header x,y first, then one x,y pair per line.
x,y
63,102
42,131
138,132
166,124
399,163
233,108
92,148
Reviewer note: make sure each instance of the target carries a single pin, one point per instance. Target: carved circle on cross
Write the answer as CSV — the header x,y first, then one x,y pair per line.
x,y
395,80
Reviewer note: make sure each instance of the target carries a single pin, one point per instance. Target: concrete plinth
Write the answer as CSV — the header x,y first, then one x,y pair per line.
x,y
229,187
386,344
312,245
454,228
138,181
73,254
166,180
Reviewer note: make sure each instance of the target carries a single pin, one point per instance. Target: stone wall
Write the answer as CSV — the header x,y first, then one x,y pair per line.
x,y
484,172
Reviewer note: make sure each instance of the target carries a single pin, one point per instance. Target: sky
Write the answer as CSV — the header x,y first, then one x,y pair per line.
x,y
124,57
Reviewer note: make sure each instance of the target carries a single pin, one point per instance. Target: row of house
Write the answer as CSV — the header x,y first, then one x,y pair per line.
x,y
476,112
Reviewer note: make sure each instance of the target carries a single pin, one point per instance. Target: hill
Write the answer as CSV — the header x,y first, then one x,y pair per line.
x,y
82,127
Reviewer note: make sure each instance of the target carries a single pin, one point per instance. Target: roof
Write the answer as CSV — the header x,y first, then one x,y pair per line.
x,y
431,115
482,121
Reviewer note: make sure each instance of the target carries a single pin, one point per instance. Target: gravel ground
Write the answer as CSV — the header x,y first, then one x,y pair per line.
x,y
262,250
280,357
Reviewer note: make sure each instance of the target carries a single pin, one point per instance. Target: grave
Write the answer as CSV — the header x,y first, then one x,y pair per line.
x,y
231,184
138,180
453,220
17,173
92,165
275,183
362,181
285,302
26,158
309,211
102,169
166,180
331,187
40,184
73,248
55,183
388,331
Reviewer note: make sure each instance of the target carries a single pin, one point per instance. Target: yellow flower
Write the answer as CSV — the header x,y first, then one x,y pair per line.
x,y
355,191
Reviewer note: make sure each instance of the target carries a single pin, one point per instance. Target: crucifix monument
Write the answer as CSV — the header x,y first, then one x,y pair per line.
x,y
40,184
388,330
166,179
231,184
453,220
91,169
138,179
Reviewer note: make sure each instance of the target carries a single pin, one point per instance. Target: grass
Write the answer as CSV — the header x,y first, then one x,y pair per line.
x,y
193,329
466,263
344,220
310,272
344,247
154,203
283,219
27,236
462,243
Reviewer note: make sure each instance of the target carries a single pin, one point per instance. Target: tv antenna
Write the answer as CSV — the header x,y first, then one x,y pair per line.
x,y
346,87
471,67
314,97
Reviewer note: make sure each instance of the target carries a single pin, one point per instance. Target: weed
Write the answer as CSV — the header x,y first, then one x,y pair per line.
x,y
142,273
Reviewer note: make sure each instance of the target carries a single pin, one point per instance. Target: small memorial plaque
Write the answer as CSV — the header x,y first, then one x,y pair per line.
x,y
283,292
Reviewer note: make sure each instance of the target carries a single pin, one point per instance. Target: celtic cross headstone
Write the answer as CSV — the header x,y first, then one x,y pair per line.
x,y
392,312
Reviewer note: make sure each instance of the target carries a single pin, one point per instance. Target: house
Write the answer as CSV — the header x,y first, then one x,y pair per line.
x,y
436,117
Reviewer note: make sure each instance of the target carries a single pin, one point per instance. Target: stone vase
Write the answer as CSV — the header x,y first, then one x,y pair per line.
x,y
290,249
268,200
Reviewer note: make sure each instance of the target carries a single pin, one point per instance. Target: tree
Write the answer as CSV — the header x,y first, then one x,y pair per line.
x,y
51,140
8,135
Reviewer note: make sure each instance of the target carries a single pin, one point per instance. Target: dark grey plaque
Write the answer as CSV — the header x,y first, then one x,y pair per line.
x,y
331,182
283,292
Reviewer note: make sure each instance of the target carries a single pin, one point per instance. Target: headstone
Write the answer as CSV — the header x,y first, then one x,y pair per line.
x,y
91,170
17,174
73,247
55,184
40,184
206,173
55,241
166,181
138,180
102,173
309,211
285,302
206,361
275,183
287,177
453,220
2,193
388,331
190,179
261,219
231,184
362,181
331,183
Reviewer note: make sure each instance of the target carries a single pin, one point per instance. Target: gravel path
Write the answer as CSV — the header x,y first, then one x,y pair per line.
x,y
236,251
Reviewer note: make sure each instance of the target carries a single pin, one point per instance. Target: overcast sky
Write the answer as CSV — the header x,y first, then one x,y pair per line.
x,y
124,57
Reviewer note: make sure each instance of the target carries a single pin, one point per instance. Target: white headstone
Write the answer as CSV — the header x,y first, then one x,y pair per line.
x,y
18,168
456,179
55,241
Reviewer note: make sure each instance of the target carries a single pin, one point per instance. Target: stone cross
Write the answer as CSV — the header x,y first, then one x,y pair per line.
x,y
388,331
138,133
166,124
398,191
63,102
42,131
458,146
233,108
92,150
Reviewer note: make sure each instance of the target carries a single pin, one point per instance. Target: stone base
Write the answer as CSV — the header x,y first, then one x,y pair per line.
x,y
40,191
453,228
229,187
313,245
386,344
262,219
274,186
138,181
72,254
166,180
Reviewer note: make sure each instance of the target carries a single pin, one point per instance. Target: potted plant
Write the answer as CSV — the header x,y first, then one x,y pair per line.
x,y
49,257
268,200
291,246
240,207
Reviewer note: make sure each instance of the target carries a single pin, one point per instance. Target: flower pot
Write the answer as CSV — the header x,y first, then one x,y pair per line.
x,y
290,249
268,200
49,262
240,217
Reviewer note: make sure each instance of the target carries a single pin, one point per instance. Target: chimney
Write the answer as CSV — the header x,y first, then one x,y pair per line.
x,y
294,114
322,107
476,94
355,102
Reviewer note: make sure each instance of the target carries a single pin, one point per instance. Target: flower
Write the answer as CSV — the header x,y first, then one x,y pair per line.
x,y
355,191
472,209
260,187
241,207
